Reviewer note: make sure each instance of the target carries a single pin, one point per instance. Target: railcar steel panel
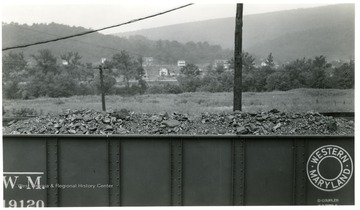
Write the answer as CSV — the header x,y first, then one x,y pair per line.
x,y
83,172
268,172
25,173
177,170
207,172
337,167
145,172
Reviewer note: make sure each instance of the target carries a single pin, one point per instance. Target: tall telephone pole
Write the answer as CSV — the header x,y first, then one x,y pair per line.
x,y
102,88
101,67
237,58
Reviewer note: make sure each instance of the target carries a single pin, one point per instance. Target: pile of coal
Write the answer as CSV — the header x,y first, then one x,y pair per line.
x,y
72,122
125,122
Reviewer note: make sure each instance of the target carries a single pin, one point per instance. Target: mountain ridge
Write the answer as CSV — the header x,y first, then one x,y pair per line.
x,y
93,47
268,27
288,35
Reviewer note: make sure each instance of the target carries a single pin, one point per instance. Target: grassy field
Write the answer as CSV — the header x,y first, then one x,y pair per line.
x,y
299,100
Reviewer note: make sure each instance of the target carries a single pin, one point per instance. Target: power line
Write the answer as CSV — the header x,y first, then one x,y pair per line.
x,y
97,30
76,40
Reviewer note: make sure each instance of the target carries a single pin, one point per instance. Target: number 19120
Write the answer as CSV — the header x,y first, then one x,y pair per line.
x,y
24,203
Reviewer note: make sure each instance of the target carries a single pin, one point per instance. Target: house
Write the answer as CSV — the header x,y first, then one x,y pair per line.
x,y
181,63
225,63
64,62
164,72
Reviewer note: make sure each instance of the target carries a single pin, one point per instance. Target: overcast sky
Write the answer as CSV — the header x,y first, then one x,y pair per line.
x,y
94,15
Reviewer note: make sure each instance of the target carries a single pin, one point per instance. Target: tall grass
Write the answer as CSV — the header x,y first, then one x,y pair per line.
x,y
299,100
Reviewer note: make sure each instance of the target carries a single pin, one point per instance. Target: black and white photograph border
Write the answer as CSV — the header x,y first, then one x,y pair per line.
x,y
145,121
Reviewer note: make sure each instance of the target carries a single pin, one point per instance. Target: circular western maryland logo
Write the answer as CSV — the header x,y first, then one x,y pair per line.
x,y
329,168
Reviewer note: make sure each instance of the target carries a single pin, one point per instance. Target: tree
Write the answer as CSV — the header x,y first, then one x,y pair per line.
x,y
262,73
248,62
344,76
270,61
11,89
13,64
296,74
248,82
299,72
226,80
248,71
189,79
13,71
72,58
190,70
319,66
123,62
37,85
73,65
278,81
210,83
108,80
260,76
219,68
189,83
46,61
62,85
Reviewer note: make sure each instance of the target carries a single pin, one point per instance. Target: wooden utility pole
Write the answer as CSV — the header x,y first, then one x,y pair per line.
x,y
237,58
102,88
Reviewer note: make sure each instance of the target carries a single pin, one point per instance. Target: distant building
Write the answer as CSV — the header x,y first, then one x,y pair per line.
x,y
145,76
276,65
181,63
64,62
225,63
148,61
164,72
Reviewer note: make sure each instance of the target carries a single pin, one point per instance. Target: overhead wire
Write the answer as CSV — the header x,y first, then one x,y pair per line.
x,y
97,30
76,40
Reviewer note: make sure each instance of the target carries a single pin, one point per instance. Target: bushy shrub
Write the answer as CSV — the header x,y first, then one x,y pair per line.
x,y
156,89
125,91
344,76
51,85
217,82
172,88
11,90
164,89
189,83
108,81
278,81
86,89
23,112
226,80
63,86
210,83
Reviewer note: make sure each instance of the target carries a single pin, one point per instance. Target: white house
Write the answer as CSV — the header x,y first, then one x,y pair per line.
x,y
64,62
225,63
164,72
181,63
